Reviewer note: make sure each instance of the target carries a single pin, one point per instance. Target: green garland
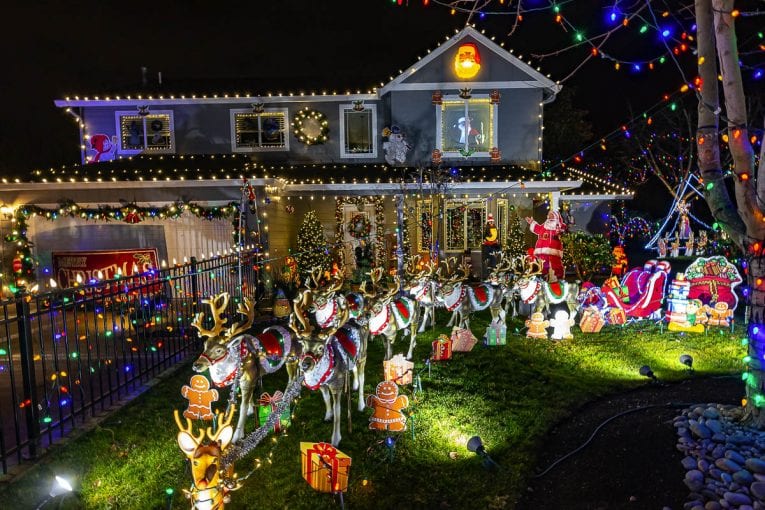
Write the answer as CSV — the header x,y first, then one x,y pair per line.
x,y
129,212
379,205
299,127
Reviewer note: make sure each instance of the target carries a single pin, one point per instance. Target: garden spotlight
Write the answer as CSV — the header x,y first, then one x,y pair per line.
x,y
646,371
475,445
61,486
687,360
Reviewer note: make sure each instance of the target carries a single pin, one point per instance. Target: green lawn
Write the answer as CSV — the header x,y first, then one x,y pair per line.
x,y
508,395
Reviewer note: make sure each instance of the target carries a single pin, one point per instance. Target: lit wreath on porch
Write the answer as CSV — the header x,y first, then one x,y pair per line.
x,y
359,227
310,127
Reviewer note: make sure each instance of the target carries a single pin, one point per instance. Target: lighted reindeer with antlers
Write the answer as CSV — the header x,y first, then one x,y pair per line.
x,y
212,481
230,353
329,354
421,281
462,299
502,279
387,314
533,290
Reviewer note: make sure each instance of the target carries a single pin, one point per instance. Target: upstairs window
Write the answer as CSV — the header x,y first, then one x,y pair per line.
x,y
261,131
466,127
358,131
151,132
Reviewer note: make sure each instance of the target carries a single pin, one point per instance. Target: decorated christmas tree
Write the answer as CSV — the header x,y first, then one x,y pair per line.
x,y
312,249
515,244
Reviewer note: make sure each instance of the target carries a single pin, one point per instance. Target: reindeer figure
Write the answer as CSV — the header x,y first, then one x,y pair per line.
x,y
388,314
323,312
229,353
533,290
211,480
462,299
422,285
328,356
501,278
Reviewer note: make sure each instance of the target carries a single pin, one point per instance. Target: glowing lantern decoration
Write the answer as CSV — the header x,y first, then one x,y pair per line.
x,y
467,62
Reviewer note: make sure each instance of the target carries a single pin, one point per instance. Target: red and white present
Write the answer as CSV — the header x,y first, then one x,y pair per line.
x,y
398,370
325,468
442,348
463,340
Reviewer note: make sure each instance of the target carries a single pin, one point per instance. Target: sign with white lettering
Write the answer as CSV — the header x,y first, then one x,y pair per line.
x,y
101,265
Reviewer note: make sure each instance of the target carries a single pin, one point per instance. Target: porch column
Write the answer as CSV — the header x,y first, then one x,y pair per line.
x,y
400,234
554,200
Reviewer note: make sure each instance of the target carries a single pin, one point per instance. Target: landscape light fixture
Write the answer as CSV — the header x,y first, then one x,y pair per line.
x,y
646,371
687,360
61,486
475,445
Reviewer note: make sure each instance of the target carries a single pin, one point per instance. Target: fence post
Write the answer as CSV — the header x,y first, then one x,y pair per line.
x,y
194,283
26,353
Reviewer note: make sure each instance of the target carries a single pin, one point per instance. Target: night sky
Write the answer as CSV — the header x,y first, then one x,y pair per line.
x,y
57,49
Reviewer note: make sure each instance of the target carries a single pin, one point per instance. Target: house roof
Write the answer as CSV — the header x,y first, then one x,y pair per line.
x,y
218,179
246,91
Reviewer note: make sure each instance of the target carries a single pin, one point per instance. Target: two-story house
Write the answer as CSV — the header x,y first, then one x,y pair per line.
x,y
423,159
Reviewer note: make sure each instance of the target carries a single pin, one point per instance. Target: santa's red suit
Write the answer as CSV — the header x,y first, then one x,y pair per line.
x,y
548,247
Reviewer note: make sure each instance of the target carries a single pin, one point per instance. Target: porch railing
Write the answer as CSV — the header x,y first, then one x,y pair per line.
x,y
70,354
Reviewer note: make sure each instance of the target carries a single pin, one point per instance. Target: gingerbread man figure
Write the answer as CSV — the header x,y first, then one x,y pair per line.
x,y
719,315
537,326
200,398
387,405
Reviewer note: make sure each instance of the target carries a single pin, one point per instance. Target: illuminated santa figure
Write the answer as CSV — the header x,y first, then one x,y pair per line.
x,y
548,247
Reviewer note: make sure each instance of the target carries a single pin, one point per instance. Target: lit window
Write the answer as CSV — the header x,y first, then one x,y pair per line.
x,y
262,131
466,127
152,132
358,131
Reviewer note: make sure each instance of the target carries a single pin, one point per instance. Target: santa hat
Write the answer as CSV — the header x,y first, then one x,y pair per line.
x,y
490,217
558,218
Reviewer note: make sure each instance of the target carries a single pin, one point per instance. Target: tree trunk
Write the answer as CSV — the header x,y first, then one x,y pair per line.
x,y
744,221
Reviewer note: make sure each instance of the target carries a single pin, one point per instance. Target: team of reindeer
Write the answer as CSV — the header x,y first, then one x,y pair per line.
x,y
330,330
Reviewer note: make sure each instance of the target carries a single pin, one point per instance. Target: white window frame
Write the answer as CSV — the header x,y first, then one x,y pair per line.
x,y
146,150
232,119
373,134
468,203
440,131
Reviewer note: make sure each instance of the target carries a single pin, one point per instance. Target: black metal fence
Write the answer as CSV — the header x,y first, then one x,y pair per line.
x,y
70,354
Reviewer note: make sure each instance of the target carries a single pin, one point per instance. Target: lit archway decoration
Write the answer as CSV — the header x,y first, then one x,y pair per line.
x,y
310,126
467,61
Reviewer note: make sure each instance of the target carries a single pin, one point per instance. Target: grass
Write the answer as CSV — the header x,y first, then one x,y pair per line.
x,y
509,395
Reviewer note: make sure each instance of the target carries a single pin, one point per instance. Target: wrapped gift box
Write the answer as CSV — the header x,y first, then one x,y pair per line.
x,y
267,404
463,340
617,316
592,320
496,334
398,370
442,348
324,467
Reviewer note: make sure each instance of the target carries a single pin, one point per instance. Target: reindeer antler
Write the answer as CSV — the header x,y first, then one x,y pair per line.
x,y
300,303
314,277
189,429
245,308
531,266
411,268
217,309
223,420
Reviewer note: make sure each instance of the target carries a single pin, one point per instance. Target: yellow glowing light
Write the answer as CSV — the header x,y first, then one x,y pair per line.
x,y
467,61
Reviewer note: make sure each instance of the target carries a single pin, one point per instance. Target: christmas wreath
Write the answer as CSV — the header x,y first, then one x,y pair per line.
x,y
359,227
310,126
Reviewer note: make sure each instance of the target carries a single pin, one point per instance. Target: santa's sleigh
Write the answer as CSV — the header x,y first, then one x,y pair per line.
x,y
642,290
